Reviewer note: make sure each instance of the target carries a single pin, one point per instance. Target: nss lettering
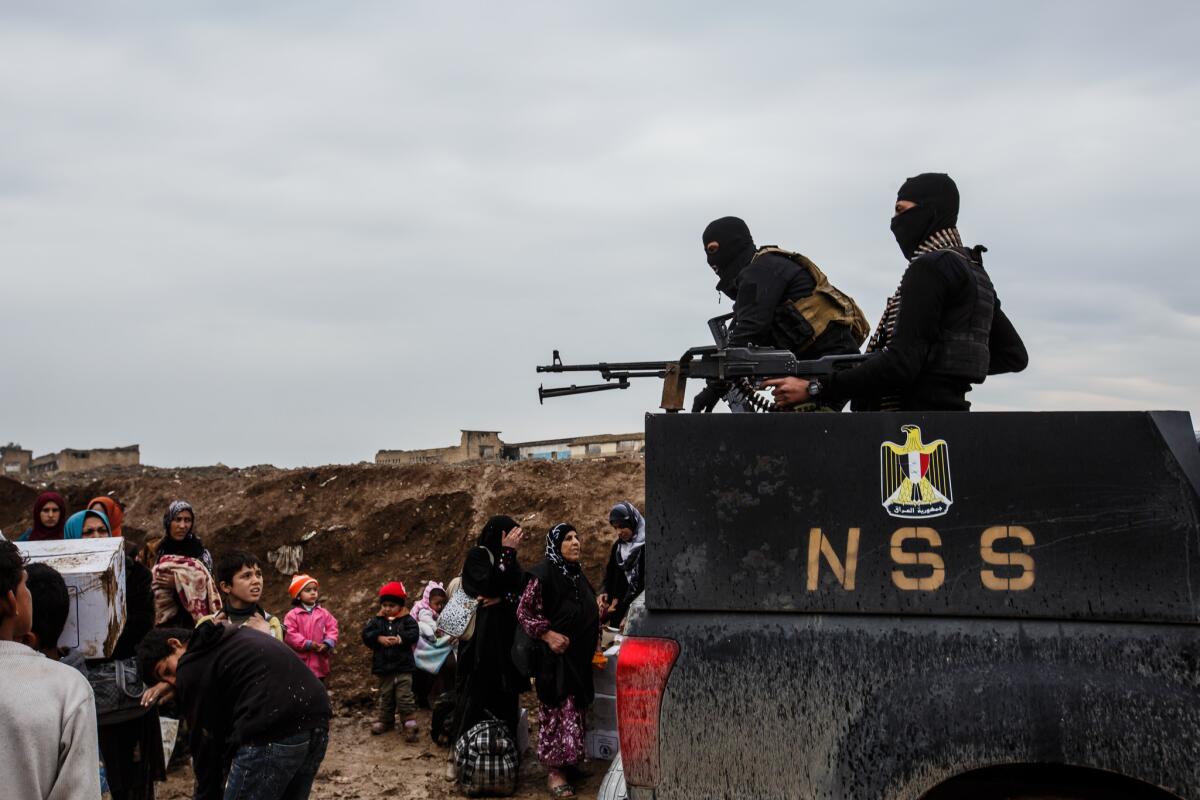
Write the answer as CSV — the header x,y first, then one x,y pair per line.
x,y
920,567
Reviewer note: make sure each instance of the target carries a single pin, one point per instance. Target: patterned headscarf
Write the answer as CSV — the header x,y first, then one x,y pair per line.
x,y
176,508
190,546
624,514
39,532
554,541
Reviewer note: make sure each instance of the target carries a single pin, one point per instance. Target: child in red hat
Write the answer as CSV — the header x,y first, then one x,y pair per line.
x,y
391,635
311,630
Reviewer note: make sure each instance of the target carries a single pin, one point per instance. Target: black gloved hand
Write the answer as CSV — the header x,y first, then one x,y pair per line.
x,y
707,399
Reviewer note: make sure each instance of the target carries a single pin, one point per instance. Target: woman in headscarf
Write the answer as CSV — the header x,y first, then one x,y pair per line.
x,y
49,518
179,535
93,522
487,683
128,776
111,510
182,572
625,575
559,607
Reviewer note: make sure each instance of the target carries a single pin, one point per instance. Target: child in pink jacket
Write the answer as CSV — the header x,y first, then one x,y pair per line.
x,y
311,630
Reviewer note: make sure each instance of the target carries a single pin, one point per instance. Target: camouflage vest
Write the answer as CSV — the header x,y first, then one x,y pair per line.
x,y
826,304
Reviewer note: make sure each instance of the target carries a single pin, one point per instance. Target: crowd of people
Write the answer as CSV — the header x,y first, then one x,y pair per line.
x,y
249,690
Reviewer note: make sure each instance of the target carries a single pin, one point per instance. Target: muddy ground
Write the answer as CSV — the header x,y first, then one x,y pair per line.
x,y
357,527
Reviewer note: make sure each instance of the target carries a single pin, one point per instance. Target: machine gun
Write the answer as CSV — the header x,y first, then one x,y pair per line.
x,y
741,395
726,364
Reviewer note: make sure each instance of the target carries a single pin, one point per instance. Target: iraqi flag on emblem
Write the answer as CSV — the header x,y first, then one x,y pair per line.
x,y
916,464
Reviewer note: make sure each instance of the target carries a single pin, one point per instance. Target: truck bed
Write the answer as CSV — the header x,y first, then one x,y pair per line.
x,y
869,605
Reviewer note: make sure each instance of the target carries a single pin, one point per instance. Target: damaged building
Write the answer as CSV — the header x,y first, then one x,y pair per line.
x,y
488,446
72,460
15,460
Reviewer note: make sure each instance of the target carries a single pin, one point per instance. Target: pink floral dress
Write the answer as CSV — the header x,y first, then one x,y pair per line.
x,y
560,738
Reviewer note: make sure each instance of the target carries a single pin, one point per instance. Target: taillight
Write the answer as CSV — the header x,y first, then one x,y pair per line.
x,y
643,665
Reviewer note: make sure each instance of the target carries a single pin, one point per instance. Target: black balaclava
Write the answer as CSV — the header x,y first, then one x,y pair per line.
x,y
735,251
936,197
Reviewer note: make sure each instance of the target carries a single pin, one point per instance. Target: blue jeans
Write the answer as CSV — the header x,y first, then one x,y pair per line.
x,y
282,770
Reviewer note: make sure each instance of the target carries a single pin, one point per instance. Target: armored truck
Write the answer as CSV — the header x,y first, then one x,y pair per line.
x,y
924,605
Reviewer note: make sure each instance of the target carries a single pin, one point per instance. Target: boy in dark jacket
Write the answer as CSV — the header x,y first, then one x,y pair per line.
x,y
253,707
391,634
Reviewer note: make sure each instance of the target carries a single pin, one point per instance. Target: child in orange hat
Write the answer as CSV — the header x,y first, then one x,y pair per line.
x,y
311,630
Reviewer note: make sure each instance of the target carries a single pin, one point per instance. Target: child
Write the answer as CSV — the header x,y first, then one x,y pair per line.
x,y
247,696
49,703
51,606
311,630
433,654
240,579
391,635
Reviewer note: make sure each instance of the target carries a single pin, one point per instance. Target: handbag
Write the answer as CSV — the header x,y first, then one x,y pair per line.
x,y
118,689
527,654
458,617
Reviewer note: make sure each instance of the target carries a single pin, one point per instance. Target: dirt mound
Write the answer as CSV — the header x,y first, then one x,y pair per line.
x,y
16,507
356,527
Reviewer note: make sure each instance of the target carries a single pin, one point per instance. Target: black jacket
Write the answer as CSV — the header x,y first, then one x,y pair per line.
x,y
495,625
139,609
617,584
763,287
395,658
931,301
238,686
570,607
488,682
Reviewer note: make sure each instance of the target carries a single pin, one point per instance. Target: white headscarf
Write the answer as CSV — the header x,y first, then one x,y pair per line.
x,y
625,515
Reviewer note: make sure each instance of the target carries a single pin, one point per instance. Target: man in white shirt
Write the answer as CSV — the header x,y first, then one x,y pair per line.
x,y
49,747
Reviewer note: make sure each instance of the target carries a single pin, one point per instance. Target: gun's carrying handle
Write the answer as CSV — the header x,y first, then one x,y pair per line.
x,y
674,388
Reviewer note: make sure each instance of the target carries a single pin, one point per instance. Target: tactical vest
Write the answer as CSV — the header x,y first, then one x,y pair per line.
x,y
826,304
964,353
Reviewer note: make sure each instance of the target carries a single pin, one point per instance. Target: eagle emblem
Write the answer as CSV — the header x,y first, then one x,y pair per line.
x,y
914,478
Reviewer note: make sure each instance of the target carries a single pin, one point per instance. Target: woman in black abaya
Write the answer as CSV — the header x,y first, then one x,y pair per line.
x,y
487,684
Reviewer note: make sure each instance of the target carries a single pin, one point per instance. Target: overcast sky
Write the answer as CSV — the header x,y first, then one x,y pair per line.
x,y
295,233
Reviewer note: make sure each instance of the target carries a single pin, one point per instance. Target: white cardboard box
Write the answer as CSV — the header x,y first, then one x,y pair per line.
x,y
94,571
602,713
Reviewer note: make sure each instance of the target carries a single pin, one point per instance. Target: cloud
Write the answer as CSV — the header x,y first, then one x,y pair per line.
x,y
300,233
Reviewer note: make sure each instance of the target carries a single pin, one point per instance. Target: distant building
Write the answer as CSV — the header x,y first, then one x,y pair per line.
x,y
487,446
15,460
70,460
472,446
608,444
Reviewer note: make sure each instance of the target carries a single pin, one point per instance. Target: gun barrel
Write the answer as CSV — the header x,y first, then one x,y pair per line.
x,y
563,391
635,369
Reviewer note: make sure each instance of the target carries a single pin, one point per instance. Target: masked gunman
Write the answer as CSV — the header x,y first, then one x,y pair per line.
x,y
941,332
780,299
